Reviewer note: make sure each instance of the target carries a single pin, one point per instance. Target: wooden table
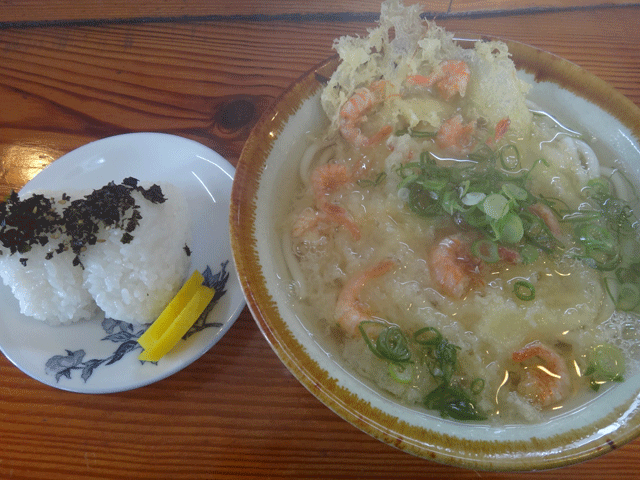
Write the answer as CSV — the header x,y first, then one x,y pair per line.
x,y
73,72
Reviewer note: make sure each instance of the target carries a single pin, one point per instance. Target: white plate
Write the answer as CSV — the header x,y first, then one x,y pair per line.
x,y
102,356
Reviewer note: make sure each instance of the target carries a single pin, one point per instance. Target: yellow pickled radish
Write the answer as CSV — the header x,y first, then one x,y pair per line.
x,y
171,311
185,319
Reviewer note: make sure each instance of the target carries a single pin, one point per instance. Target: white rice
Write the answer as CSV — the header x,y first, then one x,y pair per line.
x,y
135,281
50,291
132,281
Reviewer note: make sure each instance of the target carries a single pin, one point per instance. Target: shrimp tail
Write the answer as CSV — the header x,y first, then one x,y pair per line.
x,y
376,138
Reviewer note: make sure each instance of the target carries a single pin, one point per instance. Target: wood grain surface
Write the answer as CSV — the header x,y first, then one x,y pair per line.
x,y
236,412
28,12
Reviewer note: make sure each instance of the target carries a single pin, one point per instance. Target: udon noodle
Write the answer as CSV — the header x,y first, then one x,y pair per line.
x,y
454,243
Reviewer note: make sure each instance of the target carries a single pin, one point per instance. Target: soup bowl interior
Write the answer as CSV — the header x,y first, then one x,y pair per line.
x,y
265,181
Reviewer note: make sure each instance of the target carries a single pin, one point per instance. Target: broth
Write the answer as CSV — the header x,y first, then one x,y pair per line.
x,y
471,258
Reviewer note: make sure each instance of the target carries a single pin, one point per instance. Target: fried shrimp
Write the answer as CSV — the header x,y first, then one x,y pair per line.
x,y
309,223
325,180
449,77
353,111
500,131
546,383
456,136
454,268
349,310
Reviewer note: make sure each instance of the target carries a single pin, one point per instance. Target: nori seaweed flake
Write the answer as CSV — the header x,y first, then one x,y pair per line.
x,y
26,222
153,194
134,221
34,220
130,182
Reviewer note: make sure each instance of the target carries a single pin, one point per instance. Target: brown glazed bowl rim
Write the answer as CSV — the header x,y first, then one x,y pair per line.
x,y
591,432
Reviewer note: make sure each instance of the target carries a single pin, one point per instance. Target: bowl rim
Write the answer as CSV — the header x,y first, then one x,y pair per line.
x,y
418,441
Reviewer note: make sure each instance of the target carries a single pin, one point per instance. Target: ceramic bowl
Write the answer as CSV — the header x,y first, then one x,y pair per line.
x,y
265,177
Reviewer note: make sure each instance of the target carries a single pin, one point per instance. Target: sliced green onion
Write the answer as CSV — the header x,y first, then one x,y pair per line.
x,y
401,372
596,237
607,363
624,223
422,134
408,180
529,254
611,287
364,182
600,186
628,297
509,157
626,275
495,206
473,198
476,218
484,153
603,260
485,250
428,336
445,355
415,133
539,161
453,402
464,187
537,232
426,159
524,290
423,202
515,192
450,202
477,386
555,204
509,228
434,185
392,344
449,399
366,338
